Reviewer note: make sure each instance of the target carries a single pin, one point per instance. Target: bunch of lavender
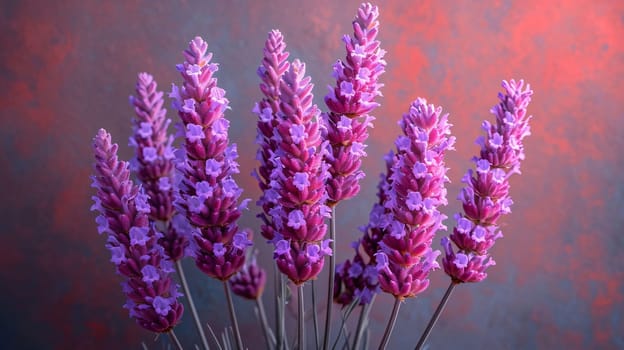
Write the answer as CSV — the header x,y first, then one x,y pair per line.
x,y
124,209
485,197
345,125
298,181
274,65
154,163
154,166
350,102
208,194
415,191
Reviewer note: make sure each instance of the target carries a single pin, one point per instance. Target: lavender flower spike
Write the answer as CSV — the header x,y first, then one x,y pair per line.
x,y
485,196
362,281
124,209
298,180
274,65
154,163
415,191
208,193
349,102
249,281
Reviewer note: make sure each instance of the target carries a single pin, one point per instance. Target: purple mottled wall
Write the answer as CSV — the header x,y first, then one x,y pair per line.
x,y
67,68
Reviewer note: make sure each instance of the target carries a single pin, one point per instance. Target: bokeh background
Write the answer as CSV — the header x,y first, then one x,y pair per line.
x,y
67,68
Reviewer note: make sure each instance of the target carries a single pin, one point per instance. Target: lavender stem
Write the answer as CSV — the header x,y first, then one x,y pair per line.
x,y
265,326
314,316
175,340
436,315
228,295
391,322
364,312
187,292
332,271
300,327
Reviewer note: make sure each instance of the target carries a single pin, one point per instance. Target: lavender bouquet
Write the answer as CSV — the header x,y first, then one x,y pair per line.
x,y
185,200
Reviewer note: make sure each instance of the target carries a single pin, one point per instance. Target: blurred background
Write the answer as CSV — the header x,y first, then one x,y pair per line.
x,y
68,67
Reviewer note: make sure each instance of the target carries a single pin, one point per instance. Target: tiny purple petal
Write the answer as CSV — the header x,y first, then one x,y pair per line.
x,y
150,154
145,130
218,250
203,189
300,180
483,166
194,132
296,219
138,235
150,274
161,305
461,260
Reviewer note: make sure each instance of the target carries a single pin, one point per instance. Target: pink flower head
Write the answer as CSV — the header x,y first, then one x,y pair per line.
x,y
414,191
208,193
485,196
349,102
155,167
133,242
249,281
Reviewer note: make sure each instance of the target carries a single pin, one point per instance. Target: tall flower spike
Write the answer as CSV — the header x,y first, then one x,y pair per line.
x,y
208,193
124,208
414,193
349,102
485,196
274,65
154,164
298,181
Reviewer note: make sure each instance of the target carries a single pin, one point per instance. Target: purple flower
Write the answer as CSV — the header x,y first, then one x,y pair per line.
x,y
297,177
346,288
208,194
349,102
249,281
485,197
274,65
135,252
194,133
156,163
414,190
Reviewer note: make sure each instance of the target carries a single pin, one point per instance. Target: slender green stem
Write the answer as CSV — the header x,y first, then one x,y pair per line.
x,y
436,315
332,271
300,327
268,336
314,316
391,322
228,296
364,311
189,298
175,340
278,309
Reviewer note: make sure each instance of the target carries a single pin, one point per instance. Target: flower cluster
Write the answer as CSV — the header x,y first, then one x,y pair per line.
x,y
124,209
355,278
349,102
485,196
274,65
155,163
414,193
208,193
297,181
249,281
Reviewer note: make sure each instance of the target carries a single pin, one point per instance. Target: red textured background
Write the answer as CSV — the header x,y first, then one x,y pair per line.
x,y
67,68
